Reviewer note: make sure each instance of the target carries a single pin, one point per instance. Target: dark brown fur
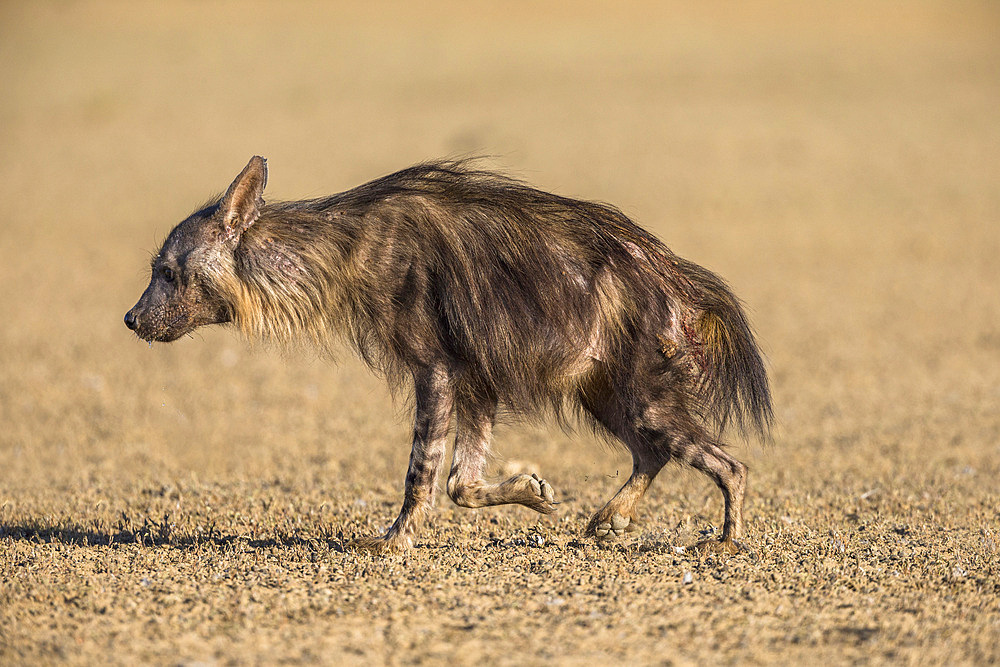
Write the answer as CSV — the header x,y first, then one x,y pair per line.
x,y
490,297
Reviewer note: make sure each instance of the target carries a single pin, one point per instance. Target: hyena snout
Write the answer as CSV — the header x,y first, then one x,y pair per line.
x,y
142,322
149,324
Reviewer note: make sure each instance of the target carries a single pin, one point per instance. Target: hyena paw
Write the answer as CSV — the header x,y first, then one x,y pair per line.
x,y
606,527
543,489
532,491
388,543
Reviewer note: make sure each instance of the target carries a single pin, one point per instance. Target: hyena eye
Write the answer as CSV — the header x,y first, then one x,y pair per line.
x,y
168,274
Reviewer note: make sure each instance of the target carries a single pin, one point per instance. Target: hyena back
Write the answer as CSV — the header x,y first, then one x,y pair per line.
x,y
490,297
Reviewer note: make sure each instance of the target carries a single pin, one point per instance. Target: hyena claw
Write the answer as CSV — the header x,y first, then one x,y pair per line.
x,y
545,490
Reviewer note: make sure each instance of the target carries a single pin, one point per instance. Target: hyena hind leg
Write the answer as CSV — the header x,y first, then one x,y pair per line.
x,y
730,476
466,485
666,431
618,516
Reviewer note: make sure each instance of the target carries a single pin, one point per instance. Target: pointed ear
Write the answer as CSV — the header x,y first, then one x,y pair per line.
x,y
242,202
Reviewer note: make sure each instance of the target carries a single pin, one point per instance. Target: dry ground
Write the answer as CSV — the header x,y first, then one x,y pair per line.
x,y
839,164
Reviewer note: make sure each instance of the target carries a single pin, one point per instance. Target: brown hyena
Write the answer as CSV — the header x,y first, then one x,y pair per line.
x,y
491,297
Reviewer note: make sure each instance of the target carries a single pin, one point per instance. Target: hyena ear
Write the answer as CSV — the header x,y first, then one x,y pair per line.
x,y
242,202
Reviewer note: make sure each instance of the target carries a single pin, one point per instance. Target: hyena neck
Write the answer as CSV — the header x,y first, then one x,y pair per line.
x,y
291,276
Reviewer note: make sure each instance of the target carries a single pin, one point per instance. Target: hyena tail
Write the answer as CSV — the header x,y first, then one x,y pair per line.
x,y
734,387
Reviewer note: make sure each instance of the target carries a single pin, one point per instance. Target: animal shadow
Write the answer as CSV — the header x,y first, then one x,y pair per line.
x,y
154,534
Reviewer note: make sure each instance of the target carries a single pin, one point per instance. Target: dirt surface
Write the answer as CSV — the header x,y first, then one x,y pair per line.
x,y
188,503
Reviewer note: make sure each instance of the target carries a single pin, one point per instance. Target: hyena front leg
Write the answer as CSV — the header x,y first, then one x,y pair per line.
x,y
430,431
465,482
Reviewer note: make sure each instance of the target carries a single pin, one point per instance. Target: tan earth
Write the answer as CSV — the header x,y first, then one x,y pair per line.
x,y
839,164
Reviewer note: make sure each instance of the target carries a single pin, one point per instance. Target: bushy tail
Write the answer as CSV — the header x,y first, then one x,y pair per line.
x,y
734,388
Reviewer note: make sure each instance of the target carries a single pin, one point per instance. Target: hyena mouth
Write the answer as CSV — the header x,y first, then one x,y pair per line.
x,y
169,333
166,337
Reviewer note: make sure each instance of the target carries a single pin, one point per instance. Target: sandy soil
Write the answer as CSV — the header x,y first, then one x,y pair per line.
x,y
188,503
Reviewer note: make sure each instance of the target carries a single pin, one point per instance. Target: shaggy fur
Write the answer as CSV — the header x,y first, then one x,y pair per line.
x,y
489,296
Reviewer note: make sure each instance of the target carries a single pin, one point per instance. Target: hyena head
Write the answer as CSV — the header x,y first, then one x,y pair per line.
x,y
193,269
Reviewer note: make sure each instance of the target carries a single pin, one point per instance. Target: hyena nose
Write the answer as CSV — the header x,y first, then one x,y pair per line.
x,y
130,320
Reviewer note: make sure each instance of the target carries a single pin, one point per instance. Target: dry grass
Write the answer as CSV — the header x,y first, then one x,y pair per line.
x,y
188,503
